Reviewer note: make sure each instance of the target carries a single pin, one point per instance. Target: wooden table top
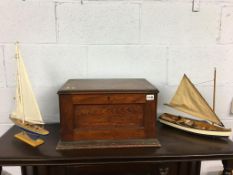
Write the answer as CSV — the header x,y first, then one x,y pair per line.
x,y
176,146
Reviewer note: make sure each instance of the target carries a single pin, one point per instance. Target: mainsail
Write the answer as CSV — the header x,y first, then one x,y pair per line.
x,y
188,99
26,106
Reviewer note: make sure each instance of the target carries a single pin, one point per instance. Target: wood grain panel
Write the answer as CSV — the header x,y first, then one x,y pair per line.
x,y
108,109
108,99
66,116
149,120
113,133
108,116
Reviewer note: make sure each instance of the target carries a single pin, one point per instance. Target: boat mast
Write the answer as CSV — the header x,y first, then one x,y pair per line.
x,y
19,78
214,91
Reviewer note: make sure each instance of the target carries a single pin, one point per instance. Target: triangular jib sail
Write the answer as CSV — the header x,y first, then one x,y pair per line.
x,y
26,106
188,99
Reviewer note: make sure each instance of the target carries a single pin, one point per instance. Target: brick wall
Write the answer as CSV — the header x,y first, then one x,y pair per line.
x,y
156,40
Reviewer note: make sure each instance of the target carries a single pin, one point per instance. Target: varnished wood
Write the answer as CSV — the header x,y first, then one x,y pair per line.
x,y
110,109
110,134
66,117
178,168
97,117
108,98
178,147
25,170
228,167
149,122
106,144
106,85
25,138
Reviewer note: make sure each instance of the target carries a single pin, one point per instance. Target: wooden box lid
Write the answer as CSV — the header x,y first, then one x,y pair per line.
x,y
79,86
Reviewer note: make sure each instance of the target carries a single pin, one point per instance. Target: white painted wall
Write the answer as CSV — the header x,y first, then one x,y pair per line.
x,y
156,40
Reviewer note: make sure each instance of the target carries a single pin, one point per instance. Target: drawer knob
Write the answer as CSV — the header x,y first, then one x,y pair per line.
x,y
164,171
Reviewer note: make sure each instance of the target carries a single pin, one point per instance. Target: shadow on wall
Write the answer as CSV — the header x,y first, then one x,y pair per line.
x,y
11,170
5,173
214,173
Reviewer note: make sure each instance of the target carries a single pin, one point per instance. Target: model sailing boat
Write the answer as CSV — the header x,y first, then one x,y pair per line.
x,y
27,115
189,100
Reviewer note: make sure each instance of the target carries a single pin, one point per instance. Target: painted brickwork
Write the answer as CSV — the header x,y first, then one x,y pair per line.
x,y
156,40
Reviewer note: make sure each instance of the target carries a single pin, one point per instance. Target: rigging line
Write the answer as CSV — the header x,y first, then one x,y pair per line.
x,y
203,82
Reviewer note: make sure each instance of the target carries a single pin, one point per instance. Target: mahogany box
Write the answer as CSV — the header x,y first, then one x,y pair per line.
x,y
107,113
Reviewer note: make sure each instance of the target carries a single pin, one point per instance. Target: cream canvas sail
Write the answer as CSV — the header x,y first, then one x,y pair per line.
x,y
26,106
188,99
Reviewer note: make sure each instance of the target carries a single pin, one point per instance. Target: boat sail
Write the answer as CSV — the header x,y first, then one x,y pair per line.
x,y
27,114
189,100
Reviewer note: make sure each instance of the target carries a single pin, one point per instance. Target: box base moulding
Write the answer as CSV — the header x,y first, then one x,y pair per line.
x,y
102,144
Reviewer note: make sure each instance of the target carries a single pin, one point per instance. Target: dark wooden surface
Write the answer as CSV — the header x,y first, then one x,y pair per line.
x,y
180,151
178,168
176,146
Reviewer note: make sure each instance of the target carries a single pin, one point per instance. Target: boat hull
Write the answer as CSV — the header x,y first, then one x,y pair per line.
x,y
29,127
203,128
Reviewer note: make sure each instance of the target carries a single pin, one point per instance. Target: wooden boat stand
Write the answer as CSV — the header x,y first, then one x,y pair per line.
x,y
23,136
